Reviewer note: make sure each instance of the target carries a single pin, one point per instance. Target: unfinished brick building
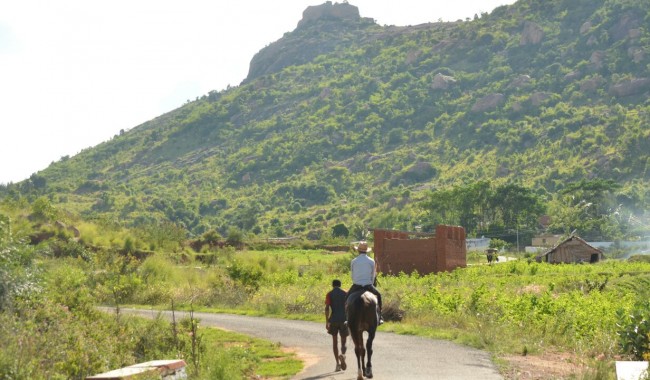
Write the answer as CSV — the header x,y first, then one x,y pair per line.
x,y
400,251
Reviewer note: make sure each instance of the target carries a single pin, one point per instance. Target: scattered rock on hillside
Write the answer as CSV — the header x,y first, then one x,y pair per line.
x,y
520,81
488,102
630,87
538,98
532,34
636,53
574,75
592,41
625,24
597,59
592,84
442,82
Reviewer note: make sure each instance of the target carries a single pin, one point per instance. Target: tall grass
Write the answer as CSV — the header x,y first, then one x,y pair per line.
x,y
513,307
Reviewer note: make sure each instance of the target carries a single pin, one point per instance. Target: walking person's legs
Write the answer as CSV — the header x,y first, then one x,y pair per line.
x,y
344,334
335,349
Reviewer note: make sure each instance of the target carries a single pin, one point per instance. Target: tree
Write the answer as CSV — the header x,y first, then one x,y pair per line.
x,y
166,235
38,181
590,207
42,209
340,230
480,207
235,237
517,205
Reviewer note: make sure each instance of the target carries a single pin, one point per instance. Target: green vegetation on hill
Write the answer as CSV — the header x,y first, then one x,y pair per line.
x,y
368,121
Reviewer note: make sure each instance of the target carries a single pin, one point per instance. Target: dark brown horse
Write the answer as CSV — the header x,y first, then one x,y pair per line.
x,y
361,309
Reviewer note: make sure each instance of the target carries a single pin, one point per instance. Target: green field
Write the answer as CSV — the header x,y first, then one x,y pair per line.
x,y
597,313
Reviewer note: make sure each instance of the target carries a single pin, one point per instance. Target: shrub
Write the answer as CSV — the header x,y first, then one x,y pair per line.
x,y
248,276
635,334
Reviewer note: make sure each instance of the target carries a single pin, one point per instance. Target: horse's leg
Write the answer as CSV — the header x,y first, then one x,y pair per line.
x,y
361,359
359,352
371,337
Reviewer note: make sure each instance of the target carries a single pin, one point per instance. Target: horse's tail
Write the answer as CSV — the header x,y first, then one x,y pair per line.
x,y
355,310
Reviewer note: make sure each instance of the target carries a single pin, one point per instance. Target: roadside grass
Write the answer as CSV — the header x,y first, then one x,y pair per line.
x,y
512,308
241,357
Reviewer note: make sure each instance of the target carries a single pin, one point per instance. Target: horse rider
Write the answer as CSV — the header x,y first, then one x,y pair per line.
x,y
364,273
335,321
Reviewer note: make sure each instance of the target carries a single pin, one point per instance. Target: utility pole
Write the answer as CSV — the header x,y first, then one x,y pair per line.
x,y
517,237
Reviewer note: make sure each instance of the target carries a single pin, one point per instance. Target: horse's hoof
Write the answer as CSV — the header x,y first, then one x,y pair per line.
x,y
342,360
368,373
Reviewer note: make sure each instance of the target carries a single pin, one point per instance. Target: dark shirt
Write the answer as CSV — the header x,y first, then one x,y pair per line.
x,y
336,300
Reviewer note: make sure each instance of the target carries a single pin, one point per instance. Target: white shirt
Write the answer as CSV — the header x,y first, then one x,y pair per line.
x,y
363,270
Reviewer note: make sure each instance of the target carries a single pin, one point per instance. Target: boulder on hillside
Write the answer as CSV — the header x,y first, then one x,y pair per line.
x,y
520,81
630,87
538,98
625,24
442,82
488,102
592,41
592,84
572,76
636,53
597,59
532,34
635,33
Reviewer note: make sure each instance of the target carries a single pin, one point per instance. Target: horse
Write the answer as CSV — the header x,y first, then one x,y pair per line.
x,y
362,316
492,255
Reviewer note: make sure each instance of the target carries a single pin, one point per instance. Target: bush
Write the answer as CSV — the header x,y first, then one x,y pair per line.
x,y
635,334
69,248
639,259
248,276
391,311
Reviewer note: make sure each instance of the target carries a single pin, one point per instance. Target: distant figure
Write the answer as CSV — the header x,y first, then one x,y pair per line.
x,y
335,322
492,255
364,274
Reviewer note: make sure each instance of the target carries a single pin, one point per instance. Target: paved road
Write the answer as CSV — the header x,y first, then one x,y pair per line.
x,y
395,356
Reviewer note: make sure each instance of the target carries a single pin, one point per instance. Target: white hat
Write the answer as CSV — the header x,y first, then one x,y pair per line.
x,y
362,247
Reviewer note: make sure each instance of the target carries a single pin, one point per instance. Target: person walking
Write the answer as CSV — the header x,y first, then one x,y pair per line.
x,y
335,322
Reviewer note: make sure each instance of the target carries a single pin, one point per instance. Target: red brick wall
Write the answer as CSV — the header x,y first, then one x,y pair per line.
x,y
396,252
380,236
450,248
408,256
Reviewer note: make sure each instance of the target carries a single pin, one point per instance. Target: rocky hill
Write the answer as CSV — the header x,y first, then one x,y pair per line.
x,y
322,29
346,121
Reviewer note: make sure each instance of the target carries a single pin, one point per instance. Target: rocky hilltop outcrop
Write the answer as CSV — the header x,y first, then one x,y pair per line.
x,y
322,29
340,11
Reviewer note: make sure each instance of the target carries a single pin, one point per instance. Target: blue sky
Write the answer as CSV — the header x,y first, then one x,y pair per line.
x,y
73,73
